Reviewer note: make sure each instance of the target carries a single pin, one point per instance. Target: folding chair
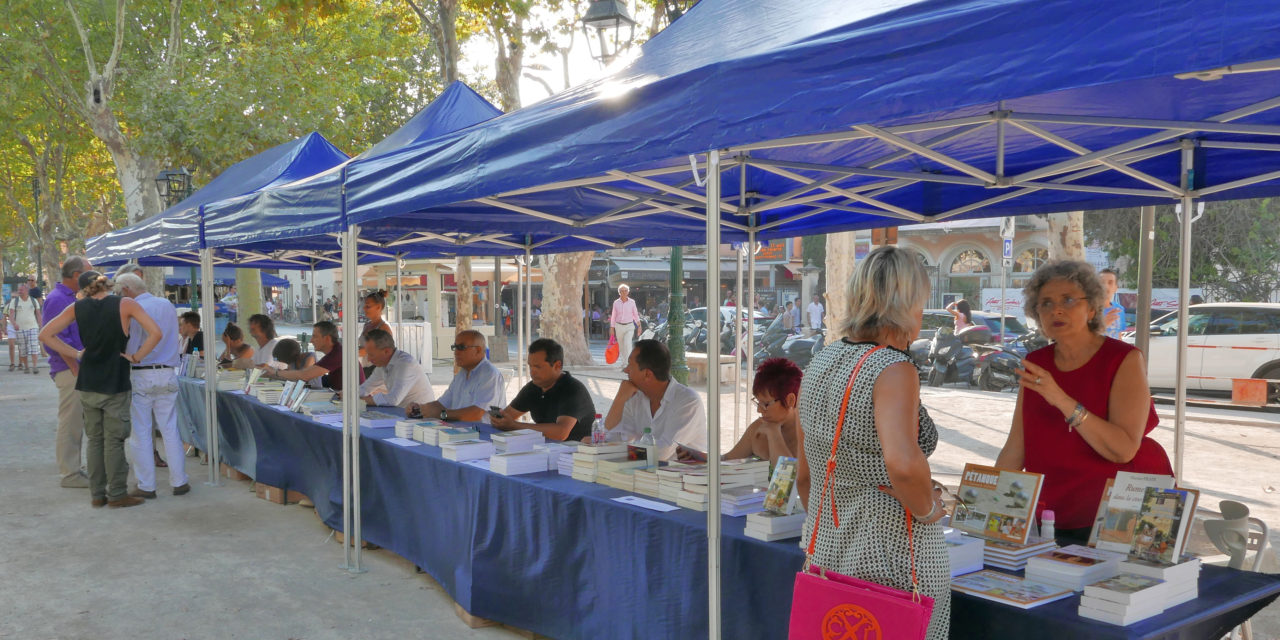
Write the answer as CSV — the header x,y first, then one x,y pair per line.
x,y
1236,534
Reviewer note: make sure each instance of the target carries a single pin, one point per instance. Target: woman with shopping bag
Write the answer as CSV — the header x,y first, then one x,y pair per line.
x,y
624,322
874,552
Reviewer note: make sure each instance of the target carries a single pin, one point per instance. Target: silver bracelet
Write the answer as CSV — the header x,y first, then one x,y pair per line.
x,y
1077,417
929,515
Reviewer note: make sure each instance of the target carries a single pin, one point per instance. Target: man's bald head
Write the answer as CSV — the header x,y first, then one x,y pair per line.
x,y
472,337
131,285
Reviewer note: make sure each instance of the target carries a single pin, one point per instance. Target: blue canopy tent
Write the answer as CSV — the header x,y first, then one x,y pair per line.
x,y
226,277
832,116
177,229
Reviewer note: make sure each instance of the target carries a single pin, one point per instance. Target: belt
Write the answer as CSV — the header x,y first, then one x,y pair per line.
x,y
136,367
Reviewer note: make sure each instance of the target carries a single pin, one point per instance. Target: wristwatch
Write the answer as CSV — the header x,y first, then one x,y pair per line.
x,y
444,415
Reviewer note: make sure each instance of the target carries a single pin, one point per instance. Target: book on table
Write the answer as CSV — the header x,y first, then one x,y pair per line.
x,y
1007,589
996,504
462,450
740,501
377,420
1164,524
455,434
1129,589
1073,567
1119,518
1007,555
587,449
780,496
517,440
513,463
250,378
965,552
770,526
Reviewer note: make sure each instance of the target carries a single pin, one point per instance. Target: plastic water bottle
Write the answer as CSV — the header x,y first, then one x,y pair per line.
x,y
650,445
598,432
1046,524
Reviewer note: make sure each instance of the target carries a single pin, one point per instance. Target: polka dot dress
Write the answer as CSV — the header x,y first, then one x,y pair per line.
x,y
871,541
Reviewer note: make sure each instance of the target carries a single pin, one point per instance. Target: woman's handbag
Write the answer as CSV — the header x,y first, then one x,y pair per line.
x,y
611,351
826,604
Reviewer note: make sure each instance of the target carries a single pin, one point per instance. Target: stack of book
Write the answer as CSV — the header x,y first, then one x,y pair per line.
x,y
377,420
564,463
740,501
743,472
965,552
516,441
646,482
325,412
1006,555
1124,599
617,473
230,380
1073,567
514,463
690,500
405,428
445,434
555,452
310,396
748,472
770,526
1183,579
588,455
461,450
671,479
268,392
1007,589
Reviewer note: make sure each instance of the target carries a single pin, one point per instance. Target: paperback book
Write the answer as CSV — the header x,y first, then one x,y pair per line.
x,y
1164,522
780,497
1119,519
1008,589
996,504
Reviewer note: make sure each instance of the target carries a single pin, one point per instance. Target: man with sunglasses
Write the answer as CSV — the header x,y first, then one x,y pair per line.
x,y
477,385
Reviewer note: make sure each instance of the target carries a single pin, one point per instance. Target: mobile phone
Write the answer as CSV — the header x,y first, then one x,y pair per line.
x,y
416,412
495,411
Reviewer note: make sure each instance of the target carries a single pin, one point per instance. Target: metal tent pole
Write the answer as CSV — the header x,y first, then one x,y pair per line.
x,y
713,397
314,317
520,343
350,401
396,292
737,351
751,310
210,321
528,298
1184,286
1146,267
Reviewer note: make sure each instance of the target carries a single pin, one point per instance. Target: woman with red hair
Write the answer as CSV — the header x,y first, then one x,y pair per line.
x,y
775,432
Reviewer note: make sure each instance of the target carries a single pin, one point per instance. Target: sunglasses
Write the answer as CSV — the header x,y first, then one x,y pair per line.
x,y
460,347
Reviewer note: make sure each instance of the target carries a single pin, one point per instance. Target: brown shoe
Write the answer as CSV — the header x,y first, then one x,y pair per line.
x,y
127,501
139,493
98,503
183,490
159,461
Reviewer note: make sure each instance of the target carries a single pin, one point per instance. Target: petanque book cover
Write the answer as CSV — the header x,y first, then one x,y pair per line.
x,y
996,504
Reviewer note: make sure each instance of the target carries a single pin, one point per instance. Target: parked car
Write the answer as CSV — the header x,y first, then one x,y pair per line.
x,y
1227,340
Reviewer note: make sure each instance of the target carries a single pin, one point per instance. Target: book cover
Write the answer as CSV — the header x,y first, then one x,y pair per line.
x,y
996,504
1123,504
1127,588
1160,524
782,486
1007,589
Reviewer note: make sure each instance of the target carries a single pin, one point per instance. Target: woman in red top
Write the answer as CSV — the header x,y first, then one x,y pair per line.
x,y
1084,410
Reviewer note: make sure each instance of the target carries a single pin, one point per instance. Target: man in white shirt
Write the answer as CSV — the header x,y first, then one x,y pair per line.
x,y
155,392
650,398
623,320
794,310
397,379
23,312
477,386
815,311
263,330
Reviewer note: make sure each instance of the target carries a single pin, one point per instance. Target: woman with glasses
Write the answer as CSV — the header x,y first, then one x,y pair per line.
x,y
776,432
375,302
1084,409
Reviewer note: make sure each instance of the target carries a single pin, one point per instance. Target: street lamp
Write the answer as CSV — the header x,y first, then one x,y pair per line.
x,y
174,185
608,18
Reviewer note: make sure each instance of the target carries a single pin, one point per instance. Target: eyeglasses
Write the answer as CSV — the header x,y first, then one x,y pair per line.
x,y
763,406
460,347
1047,305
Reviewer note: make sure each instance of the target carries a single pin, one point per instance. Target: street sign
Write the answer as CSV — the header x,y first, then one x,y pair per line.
x,y
1007,227
1008,248
1008,263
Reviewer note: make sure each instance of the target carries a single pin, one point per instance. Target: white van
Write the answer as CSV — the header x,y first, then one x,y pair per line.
x,y
1224,341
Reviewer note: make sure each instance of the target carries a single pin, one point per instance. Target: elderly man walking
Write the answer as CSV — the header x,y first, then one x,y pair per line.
x,y
155,392
69,440
23,312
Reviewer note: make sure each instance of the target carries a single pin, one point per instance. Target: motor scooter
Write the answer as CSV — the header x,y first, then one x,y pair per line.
x,y
951,359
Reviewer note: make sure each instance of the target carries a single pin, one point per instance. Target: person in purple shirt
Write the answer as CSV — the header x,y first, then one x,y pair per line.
x,y
70,434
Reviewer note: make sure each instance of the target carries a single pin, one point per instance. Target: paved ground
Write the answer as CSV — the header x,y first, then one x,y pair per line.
x,y
219,563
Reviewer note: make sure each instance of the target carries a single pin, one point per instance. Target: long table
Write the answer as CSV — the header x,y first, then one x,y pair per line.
x,y
557,556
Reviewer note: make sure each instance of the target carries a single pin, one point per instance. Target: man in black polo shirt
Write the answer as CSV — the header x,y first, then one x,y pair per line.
x,y
561,406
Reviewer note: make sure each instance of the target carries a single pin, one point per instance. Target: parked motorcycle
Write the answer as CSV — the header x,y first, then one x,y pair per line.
x,y
996,368
951,359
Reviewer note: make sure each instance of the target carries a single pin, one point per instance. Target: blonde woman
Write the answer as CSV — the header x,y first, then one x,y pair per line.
x,y
623,322
882,470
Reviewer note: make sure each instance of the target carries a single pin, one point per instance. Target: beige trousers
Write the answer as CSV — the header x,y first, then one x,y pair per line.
x,y
70,436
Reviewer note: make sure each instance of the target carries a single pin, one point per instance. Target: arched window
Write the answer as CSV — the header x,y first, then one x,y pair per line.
x,y
1030,259
970,261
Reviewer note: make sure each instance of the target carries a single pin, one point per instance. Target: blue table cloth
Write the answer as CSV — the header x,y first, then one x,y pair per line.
x,y
557,556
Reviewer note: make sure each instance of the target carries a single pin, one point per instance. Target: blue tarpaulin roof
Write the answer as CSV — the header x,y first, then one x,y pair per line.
x,y
932,84
223,276
177,229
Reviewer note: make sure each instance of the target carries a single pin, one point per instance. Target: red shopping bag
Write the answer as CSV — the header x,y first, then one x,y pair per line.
x,y
611,352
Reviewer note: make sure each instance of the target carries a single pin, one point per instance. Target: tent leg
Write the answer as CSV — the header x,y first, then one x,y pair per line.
x,y
211,430
350,406
737,350
751,313
713,396
1184,300
519,314
396,292
528,298
1146,262
314,318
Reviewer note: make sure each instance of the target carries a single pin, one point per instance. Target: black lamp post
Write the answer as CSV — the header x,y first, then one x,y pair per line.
x,y
35,198
174,185
608,19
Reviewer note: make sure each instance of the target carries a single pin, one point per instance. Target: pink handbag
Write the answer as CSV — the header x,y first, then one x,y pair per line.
x,y
826,605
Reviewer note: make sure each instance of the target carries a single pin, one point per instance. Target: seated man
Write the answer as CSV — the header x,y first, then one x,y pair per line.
x,y
189,330
398,379
233,339
477,386
650,398
327,372
561,406
263,330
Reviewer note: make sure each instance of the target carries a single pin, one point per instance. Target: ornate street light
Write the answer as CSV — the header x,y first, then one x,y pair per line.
x,y
174,185
608,19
